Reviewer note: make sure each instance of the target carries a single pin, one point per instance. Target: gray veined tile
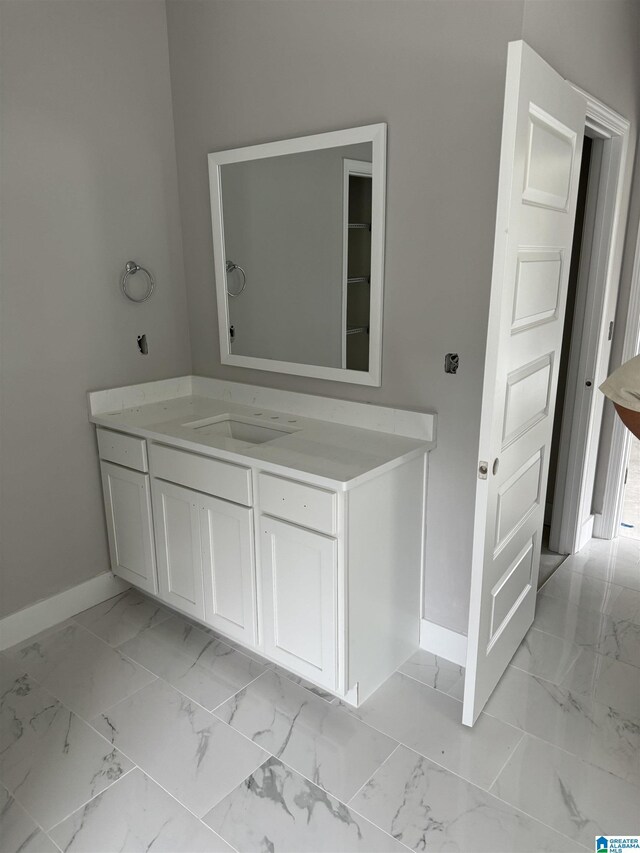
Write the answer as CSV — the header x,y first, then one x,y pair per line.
x,y
590,629
323,742
582,590
621,640
573,797
616,568
80,669
11,651
313,688
627,606
135,814
9,672
606,680
195,662
545,655
123,617
457,691
432,670
183,747
428,808
278,810
18,832
595,732
431,723
50,759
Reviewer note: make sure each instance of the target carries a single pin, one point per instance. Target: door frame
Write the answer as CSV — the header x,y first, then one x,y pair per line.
x,y
363,169
608,521
590,353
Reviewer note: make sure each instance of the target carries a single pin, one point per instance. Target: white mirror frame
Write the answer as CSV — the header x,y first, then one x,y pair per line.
x,y
377,135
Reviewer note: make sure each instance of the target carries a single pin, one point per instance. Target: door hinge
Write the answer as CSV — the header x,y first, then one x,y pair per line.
x,y
483,469
610,330
626,474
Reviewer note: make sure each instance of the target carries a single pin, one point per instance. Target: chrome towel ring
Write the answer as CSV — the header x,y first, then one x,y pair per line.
x,y
131,269
230,267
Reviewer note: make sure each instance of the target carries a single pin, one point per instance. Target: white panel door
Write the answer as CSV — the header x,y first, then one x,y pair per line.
x,y
229,568
542,134
179,553
129,526
299,574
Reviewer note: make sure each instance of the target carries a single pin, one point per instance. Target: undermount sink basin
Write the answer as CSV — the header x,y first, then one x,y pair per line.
x,y
241,429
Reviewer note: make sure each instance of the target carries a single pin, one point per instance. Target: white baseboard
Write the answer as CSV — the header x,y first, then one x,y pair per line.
x,y
443,642
44,614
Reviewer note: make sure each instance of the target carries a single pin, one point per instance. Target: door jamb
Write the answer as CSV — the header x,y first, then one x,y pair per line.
x,y
606,261
608,521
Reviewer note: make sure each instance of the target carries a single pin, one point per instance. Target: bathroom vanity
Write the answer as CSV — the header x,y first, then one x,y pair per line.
x,y
298,537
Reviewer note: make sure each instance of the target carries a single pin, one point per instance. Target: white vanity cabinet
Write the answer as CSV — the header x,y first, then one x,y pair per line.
x,y
204,539
176,513
300,599
316,570
127,502
226,535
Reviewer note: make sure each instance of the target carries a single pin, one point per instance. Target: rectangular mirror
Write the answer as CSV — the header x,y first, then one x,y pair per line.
x,y
298,239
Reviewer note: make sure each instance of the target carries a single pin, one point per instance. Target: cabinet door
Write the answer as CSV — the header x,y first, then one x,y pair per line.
x,y
128,510
177,525
229,568
299,571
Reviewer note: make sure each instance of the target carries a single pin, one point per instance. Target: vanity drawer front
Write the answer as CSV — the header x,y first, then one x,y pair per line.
x,y
306,505
220,479
126,450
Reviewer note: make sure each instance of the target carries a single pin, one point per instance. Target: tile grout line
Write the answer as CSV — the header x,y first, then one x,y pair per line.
x,y
116,647
148,773
29,815
377,770
155,781
566,600
433,760
533,817
508,759
582,760
84,804
590,647
426,684
515,809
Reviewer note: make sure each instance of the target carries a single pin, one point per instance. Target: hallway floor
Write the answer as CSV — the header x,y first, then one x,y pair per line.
x,y
128,728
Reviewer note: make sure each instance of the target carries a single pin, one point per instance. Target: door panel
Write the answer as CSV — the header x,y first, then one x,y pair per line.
x,y
130,529
543,125
299,570
229,571
177,517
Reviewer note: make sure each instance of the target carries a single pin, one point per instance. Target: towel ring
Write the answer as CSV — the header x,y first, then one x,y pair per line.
x,y
230,267
131,269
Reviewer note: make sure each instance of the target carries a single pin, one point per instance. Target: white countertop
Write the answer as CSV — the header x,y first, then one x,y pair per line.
x,y
332,454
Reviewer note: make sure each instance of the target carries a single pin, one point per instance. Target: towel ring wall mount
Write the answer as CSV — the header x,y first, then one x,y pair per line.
x,y
230,267
131,269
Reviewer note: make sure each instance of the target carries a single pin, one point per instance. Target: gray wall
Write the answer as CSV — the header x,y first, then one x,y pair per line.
x,y
88,182
250,72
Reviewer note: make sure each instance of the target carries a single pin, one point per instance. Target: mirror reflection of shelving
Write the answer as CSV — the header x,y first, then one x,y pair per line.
x,y
357,284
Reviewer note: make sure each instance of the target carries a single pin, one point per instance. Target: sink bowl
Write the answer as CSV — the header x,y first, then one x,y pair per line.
x,y
241,429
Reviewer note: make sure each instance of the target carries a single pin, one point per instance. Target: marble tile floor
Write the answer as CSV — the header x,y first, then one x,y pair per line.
x,y
129,728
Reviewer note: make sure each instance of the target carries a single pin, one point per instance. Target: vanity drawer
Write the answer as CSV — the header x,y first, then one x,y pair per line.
x,y
306,505
125,450
221,479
